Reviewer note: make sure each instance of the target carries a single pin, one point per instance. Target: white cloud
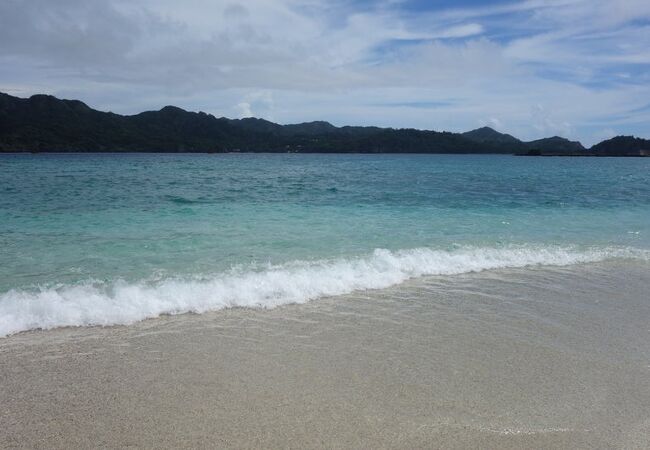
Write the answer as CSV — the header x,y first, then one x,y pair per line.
x,y
546,124
492,122
533,67
243,110
459,31
256,104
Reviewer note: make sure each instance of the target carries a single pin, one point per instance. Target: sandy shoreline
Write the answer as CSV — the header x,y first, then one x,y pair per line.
x,y
543,358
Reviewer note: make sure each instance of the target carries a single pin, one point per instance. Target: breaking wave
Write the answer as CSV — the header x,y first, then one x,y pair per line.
x,y
119,302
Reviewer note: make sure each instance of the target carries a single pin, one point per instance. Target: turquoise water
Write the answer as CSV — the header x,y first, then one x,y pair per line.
x,y
106,238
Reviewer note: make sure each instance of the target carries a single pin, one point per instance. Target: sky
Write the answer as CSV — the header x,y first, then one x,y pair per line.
x,y
533,68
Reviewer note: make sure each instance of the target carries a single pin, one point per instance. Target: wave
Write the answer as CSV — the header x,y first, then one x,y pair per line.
x,y
111,303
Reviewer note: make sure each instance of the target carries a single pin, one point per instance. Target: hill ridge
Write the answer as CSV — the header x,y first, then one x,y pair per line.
x,y
44,123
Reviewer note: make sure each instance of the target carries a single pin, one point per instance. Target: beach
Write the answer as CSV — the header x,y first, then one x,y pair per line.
x,y
286,224
544,357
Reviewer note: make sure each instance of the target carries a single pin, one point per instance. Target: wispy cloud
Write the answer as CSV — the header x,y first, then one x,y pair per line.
x,y
531,67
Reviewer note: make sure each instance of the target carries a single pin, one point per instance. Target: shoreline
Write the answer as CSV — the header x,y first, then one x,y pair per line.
x,y
342,152
117,301
510,358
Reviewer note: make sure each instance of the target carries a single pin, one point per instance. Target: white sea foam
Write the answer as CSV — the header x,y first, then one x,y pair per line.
x,y
120,302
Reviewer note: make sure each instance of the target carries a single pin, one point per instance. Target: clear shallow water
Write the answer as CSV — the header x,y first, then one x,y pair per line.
x,y
102,239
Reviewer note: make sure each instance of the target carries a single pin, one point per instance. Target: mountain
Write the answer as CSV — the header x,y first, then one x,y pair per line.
x,y
623,146
556,146
489,135
255,125
548,146
310,128
43,123
302,129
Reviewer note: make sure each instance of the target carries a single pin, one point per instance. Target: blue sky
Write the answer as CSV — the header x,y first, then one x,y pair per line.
x,y
533,68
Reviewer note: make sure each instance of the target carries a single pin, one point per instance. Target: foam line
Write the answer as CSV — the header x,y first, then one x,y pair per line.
x,y
119,302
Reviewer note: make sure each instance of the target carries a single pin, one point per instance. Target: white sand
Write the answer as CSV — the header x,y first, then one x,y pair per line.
x,y
544,358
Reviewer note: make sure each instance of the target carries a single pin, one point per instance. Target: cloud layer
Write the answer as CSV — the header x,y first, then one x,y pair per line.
x,y
577,68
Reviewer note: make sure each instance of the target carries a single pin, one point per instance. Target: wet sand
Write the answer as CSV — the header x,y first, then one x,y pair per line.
x,y
534,358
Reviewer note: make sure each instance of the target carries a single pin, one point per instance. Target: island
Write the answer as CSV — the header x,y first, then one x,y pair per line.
x,y
43,123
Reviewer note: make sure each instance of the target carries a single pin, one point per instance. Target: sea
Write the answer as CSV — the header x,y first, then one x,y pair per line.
x,y
113,239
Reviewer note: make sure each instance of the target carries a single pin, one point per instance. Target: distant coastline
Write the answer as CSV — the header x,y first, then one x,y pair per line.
x,y
46,124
